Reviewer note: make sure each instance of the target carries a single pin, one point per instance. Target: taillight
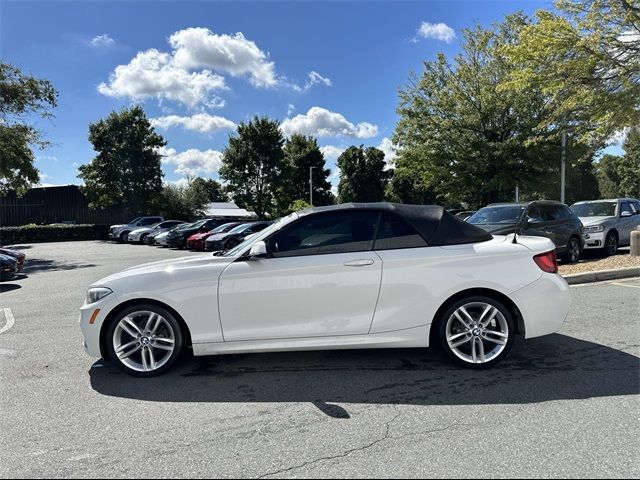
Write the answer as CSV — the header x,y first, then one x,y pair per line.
x,y
548,262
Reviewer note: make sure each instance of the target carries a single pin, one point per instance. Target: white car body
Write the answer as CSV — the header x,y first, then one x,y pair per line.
x,y
161,239
232,304
117,232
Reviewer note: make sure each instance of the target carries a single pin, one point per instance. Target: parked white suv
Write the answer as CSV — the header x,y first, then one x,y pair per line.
x,y
121,232
608,223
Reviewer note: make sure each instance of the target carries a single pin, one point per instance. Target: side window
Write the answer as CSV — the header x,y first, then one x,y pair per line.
x,y
558,213
548,213
335,232
534,213
625,207
149,221
568,213
637,207
395,233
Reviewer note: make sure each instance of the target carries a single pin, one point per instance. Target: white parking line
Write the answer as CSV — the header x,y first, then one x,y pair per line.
x,y
625,285
8,315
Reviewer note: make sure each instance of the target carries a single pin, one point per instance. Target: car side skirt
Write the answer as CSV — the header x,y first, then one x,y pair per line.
x,y
417,337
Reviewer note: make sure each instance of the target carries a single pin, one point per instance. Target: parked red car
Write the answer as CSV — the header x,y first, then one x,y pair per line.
x,y
196,241
19,256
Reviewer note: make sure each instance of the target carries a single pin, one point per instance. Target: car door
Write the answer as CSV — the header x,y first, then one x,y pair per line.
x,y
536,224
321,279
627,222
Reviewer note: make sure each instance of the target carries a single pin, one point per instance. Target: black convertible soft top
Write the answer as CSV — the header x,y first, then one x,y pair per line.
x,y
437,226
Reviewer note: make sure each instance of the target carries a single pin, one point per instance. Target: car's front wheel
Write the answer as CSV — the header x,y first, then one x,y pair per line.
x,y
573,251
144,340
611,244
476,332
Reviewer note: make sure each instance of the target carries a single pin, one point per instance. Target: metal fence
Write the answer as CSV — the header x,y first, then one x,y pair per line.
x,y
47,205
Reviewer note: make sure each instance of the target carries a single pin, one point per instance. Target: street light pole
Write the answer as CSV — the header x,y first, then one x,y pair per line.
x,y
563,166
311,186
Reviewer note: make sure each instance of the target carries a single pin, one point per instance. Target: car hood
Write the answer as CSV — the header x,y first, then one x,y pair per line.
x,y
118,226
175,266
140,230
587,221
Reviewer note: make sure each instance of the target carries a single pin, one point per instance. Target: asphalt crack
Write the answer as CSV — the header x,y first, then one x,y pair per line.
x,y
344,454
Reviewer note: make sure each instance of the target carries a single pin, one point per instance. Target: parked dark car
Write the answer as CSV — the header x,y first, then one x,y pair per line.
x,y
177,237
8,267
226,241
19,256
543,218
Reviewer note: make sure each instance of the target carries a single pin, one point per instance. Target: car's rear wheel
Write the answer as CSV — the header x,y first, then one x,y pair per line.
x,y
476,332
144,340
611,244
573,251
123,237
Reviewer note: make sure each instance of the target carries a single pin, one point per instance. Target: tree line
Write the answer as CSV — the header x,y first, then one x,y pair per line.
x,y
471,128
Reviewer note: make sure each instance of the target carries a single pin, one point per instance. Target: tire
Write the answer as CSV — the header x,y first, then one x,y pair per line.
x,y
123,237
496,338
142,238
230,244
573,252
611,244
154,336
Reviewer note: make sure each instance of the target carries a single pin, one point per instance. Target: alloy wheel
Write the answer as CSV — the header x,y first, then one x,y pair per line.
x,y
477,333
611,246
144,341
573,251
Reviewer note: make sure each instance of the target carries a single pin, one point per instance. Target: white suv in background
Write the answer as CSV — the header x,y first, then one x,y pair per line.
x,y
121,232
608,223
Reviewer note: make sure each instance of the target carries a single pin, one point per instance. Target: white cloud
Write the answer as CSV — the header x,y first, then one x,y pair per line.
x,y
192,162
153,74
201,122
436,31
313,78
232,54
320,122
290,109
389,150
332,152
103,40
619,137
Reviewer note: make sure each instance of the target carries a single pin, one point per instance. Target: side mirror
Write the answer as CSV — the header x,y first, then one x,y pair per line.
x,y
533,221
626,213
258,250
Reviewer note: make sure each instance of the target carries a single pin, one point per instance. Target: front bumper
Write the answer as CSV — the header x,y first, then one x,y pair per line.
x,y
214,246
196,244
177,242
594,240
91,331
8,272
544,305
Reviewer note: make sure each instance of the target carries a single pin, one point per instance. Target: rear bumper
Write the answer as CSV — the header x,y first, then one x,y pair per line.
x,y
544,305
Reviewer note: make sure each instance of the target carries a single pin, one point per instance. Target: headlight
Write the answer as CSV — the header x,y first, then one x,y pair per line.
x,y
594,229
97,293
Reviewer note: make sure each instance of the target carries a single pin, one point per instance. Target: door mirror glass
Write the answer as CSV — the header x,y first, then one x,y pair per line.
x,y
259,249
533,221
626,213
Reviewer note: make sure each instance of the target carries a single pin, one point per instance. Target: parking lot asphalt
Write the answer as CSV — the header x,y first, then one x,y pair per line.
x,y
565,405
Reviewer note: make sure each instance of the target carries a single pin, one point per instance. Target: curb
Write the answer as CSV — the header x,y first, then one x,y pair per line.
x,y
602,275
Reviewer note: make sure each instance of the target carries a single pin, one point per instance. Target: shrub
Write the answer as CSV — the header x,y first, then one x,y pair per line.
x,y
52,233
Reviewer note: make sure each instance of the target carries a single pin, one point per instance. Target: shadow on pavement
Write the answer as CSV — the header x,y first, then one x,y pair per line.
x,y
8,287
556,367
43,265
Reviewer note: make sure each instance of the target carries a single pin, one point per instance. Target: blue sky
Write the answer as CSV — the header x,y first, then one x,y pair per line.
x,y
331,69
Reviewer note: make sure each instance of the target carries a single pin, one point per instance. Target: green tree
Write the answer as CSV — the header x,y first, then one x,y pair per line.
x,y
586,59
127,167
619,175
302,153
254,167
182,202
213,190
298,205
21,98
404,187
461,138
363,177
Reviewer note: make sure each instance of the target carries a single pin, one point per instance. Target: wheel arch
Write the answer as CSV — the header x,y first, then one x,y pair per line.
x,y
488,292
110,316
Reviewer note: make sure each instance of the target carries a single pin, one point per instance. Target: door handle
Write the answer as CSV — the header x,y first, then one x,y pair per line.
x,y
359,263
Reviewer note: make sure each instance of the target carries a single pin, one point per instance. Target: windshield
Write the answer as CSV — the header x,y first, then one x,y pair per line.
x,y
184,226
241,228
263,234
497,215
135,220
595,209
225,227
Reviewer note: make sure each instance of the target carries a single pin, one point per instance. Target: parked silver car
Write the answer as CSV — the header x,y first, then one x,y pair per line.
x,y
138,235
608,223
121,232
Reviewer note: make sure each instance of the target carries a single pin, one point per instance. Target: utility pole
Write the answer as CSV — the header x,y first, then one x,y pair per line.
x,y
311,186
563,166
517,193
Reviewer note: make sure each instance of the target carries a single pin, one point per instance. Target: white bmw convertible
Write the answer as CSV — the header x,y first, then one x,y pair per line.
x,y
350,276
